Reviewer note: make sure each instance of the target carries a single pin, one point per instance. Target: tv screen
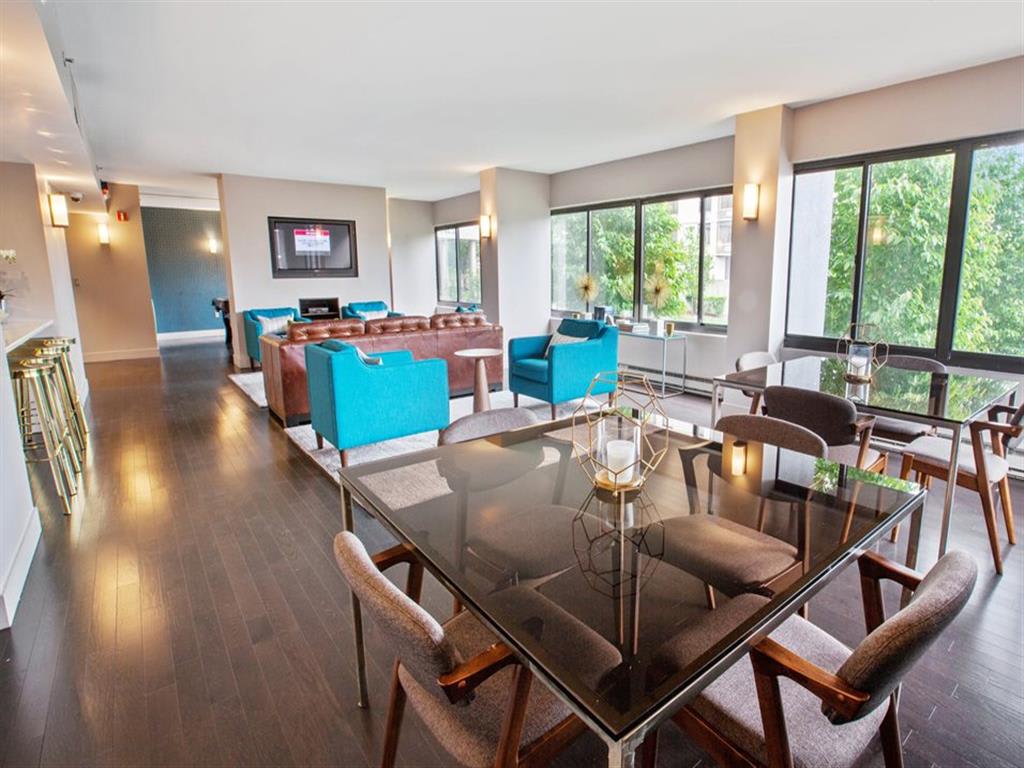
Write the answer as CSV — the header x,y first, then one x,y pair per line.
x,y
312,247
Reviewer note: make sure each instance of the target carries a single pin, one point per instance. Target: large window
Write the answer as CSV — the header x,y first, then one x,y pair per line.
x,y
654,258
458,263
926,245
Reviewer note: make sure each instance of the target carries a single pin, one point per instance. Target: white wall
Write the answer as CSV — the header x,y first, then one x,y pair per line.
x,y
695,166
19,521
413,259
969,102
456,210
245,204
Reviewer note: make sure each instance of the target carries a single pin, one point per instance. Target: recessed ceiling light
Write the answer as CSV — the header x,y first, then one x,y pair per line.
x,y
46,134
63,162
32,109
57,151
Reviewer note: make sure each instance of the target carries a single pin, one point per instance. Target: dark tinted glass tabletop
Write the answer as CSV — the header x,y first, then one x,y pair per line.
x,y
609,599
952,397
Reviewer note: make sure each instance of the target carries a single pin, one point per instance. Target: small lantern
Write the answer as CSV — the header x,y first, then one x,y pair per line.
x,y
616,443
860,353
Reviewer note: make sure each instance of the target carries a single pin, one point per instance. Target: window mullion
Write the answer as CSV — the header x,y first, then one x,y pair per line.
x,y
859,254
590,266
700,264
956,235
638,267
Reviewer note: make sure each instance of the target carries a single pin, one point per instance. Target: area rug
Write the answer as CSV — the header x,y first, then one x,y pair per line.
x,y
251,385
329,460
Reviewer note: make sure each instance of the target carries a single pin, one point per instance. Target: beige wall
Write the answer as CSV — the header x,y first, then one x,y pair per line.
x,y
969,102
115,308
245,204
21,228
413,258
695,166
456,210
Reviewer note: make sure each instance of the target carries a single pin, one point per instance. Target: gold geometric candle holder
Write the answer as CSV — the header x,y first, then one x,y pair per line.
x,y
618,444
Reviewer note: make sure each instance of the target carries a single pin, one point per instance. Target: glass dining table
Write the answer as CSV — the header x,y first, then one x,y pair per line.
x,y
946,400
627,605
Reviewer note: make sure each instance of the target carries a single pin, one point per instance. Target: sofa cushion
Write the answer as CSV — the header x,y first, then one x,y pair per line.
x,y
325,329
403,324
558,338
587,329
532,368
458,319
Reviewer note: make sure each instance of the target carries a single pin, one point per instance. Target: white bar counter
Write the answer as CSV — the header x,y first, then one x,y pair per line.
x,y
17,331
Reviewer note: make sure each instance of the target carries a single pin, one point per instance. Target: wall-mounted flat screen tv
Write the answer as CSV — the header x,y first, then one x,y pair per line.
x,y
312,247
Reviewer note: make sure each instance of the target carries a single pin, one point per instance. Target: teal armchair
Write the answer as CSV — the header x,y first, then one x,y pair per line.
x,y
357,309
353,403
565,372
254,328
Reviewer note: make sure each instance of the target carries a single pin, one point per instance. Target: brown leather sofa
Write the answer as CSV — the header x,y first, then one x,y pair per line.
x,y
284,358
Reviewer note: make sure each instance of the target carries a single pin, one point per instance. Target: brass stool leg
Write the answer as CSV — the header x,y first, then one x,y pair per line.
x,y
61,416
69,379
63,477
23,405
67,405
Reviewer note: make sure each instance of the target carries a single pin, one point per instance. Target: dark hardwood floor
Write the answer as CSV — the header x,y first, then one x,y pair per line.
x,y
190,611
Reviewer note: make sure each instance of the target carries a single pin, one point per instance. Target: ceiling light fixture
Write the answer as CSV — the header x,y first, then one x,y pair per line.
x,y
213,245
104,232
58,210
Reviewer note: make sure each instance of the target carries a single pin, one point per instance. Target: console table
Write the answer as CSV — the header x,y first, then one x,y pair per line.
x,y
664,340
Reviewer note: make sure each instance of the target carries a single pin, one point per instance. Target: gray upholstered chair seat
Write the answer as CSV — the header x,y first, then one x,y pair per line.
x,y
730,705
897,430
935,450
471,732
731,557
486,423
848,454
549,528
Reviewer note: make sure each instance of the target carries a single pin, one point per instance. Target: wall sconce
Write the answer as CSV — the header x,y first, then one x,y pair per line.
x,y
739,458
485,225
104,232
751,199
213,245
58,210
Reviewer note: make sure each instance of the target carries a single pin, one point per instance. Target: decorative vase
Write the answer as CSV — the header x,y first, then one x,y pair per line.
x,y
670,328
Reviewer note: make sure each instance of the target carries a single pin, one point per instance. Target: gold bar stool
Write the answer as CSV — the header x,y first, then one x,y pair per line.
x,y
64,344
36,379
65,386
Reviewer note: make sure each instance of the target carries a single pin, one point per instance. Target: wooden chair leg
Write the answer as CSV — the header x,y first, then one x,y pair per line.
x,y
515,399
709,596
319,441
512,729
649,750
892,744
554,412
344,458
396,707
988,510
773,721
1007,505
905,469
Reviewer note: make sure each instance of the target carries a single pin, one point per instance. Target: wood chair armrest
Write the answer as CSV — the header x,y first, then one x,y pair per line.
x,y
997,426
392,556
864,422
995,429
873,566
995,410
461,681
770,658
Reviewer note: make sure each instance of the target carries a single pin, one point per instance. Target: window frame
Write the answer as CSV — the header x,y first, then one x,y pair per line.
x,y
458,283
956,235
638,204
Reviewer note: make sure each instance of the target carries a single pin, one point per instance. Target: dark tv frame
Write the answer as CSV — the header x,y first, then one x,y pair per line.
x,y
353,271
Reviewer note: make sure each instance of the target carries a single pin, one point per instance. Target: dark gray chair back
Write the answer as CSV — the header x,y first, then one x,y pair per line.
x,y
913,363
765,429
415,636
748,361
486,423
829,417
884,657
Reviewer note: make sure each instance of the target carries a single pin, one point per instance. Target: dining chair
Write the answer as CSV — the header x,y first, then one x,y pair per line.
x,y
748,361
834,699
486,423
979,467
727,555
834,419
471,692
898,430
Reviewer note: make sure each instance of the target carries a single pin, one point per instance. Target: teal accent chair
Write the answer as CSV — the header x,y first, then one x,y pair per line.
x,y
352,403
567,370
356,309
254,328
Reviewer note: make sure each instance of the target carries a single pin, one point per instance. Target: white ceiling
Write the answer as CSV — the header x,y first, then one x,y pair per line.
x,y
418,97
37,124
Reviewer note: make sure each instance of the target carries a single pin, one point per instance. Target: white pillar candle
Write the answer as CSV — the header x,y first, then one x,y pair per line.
x,y
621,459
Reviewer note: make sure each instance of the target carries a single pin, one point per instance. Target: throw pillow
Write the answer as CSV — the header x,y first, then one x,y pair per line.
x,y
367,360
376,314
561,338
274,324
